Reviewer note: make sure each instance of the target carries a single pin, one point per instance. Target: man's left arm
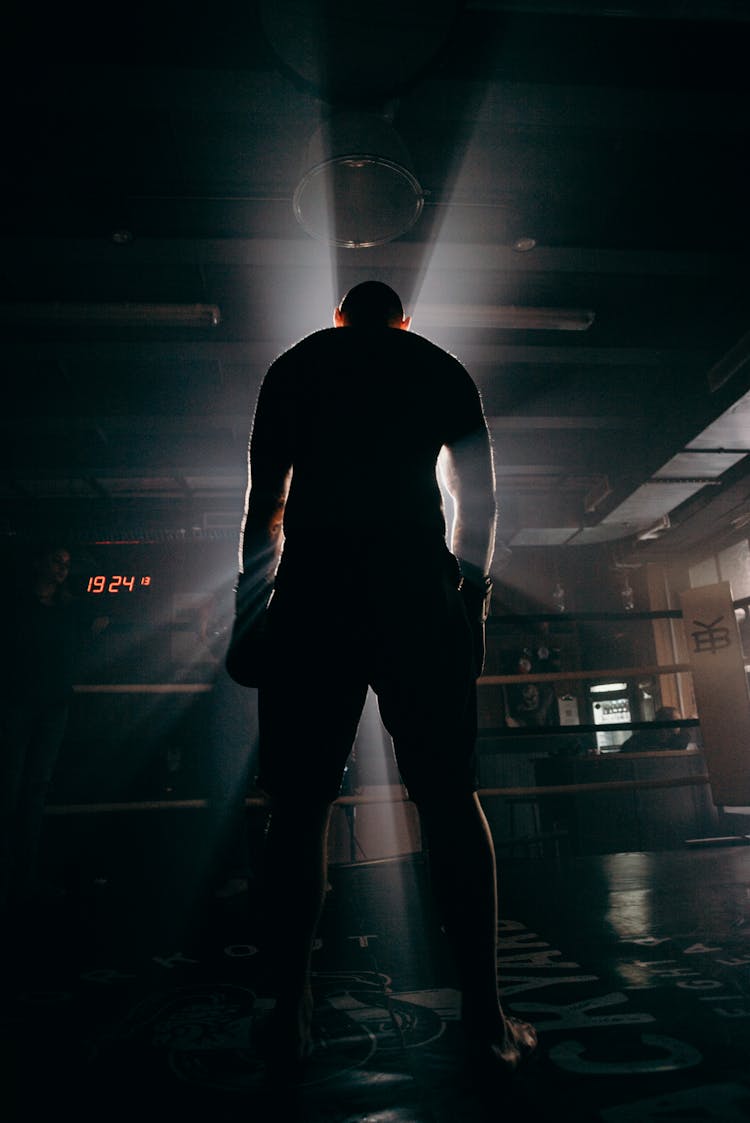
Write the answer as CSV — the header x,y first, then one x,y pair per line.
x,y
468,471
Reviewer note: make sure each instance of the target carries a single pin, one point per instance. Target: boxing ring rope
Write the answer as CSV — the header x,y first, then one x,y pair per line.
x,y
260,801
358,800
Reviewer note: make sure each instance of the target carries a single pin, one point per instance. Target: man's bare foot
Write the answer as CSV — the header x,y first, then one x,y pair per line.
x,y
496,1058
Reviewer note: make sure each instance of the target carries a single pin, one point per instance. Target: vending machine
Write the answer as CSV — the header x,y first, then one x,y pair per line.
x,y
610,705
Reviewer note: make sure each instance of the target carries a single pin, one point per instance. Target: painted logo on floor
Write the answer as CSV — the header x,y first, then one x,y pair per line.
x,y
211,1034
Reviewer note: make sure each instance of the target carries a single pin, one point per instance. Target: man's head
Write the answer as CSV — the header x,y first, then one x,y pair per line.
x,y
371,305
667,713
51,563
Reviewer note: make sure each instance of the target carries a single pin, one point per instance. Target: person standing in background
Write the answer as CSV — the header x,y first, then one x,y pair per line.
x,y
43,631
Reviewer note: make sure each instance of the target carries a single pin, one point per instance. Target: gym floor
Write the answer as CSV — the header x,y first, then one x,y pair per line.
x,y
129,998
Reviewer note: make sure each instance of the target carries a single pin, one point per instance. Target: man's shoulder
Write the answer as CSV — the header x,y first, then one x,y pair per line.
x,y
389,346
415,351
434,350
315,341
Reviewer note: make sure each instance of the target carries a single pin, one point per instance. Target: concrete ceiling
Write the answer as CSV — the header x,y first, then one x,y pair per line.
x,y
568,158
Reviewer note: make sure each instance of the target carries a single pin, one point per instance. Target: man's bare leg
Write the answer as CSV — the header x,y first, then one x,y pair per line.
x,y
294,878
464,877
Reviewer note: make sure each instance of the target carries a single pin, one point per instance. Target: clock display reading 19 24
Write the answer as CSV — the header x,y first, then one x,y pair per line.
x,y
117,583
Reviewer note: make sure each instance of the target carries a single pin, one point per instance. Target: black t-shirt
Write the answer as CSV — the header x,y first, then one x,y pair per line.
x,y
40,649
360,416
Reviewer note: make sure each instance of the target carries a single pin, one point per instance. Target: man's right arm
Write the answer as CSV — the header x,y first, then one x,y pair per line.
x,y
261,535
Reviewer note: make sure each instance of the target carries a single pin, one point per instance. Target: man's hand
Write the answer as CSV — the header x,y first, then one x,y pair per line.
x,y
477,594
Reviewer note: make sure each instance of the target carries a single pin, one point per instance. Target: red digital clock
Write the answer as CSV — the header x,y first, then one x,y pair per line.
x,y
117,583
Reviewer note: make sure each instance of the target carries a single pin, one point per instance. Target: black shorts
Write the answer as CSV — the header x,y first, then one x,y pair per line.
x,y
329,638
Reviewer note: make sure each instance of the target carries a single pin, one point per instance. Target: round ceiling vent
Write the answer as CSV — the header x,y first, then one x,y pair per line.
x,y
357,188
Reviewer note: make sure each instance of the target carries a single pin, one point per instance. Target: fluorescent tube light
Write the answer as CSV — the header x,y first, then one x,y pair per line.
x,y
511,316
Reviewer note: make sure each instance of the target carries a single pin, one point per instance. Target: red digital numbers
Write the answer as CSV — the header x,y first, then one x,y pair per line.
x,y
117,583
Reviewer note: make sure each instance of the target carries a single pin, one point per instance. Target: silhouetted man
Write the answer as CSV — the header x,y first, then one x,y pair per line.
x,y
344,523
654,740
